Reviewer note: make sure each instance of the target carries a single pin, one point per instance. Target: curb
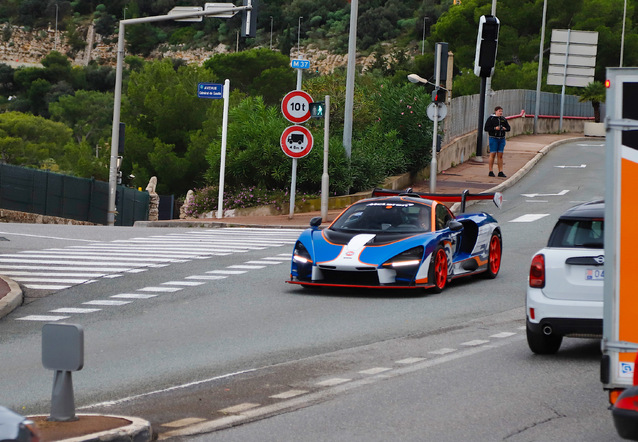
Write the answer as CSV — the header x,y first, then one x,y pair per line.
x,y
213,224
11,300
139,430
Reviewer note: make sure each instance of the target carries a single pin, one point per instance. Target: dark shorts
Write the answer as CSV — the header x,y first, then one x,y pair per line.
x,y
497,145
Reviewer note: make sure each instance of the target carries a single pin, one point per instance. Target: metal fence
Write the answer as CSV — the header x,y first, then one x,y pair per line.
x,y
462,115
52,194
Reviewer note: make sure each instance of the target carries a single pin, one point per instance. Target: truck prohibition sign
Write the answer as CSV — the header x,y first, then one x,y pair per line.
x,y
296,141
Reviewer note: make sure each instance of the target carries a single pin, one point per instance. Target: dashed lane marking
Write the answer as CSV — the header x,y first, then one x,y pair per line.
x,y
332,382
42,318
530,217
106,302
474,343
375,370
160,289
133,296
183,422
442,351
75,310
288,394
239,408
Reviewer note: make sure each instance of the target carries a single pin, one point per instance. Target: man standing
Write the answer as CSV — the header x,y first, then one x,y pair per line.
x,y
496,126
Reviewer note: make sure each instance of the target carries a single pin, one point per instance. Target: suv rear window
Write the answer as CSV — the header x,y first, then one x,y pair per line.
x,y
578,233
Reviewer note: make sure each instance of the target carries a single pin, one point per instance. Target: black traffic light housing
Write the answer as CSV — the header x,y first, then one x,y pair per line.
x,y
486,45
317,109
438,95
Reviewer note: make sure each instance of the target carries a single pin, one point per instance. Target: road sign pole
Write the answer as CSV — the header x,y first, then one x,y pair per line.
x,y
325,190
293,185
222,164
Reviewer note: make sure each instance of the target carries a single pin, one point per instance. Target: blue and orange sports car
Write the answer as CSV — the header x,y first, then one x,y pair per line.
x,y
399,240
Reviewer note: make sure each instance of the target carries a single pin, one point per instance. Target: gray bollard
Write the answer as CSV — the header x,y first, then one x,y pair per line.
x,y
62,351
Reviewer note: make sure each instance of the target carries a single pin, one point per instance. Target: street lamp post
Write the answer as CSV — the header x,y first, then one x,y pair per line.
x,y
425,19
117,99
271,32
55,39
414,78
299,36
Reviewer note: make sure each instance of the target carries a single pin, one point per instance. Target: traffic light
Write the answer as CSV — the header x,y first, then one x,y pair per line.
x,y
317,109
438,95
486,45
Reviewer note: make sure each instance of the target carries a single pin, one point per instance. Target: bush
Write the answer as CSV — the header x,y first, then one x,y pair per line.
x,y
205,199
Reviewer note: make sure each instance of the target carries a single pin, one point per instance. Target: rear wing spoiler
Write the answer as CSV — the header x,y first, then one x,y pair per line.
x,y
462,198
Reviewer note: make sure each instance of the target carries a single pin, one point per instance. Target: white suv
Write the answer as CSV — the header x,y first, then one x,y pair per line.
x,y
565,286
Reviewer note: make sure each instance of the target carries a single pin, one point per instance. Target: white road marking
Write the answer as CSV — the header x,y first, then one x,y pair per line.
x,y
375,370
183,422
410,360
238,408
3,268
332,382
133,296
56,280
206,277
56,274
42,318
475,342
247,267
530,217
288,394
185,283
160,289
263,262
534,195
443,351
582,166
75,310
228,272
47,237
106,302
139,270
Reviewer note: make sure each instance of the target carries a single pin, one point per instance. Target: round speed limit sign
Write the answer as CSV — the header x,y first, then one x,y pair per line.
x,y
296,106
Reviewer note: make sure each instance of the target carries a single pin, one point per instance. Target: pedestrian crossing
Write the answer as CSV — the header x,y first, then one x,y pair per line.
x,y
61,268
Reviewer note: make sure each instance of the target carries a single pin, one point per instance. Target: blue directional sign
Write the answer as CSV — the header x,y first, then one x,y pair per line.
x,y
301,64
210,90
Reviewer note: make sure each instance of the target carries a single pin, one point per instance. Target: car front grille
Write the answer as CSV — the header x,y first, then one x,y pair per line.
x,y
349,278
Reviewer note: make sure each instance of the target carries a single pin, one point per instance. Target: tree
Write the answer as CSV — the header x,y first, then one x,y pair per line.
x,y
255,72
88,113
596,93
28,140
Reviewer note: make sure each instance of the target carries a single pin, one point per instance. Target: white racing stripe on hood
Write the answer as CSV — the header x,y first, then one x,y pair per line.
x,y
349,256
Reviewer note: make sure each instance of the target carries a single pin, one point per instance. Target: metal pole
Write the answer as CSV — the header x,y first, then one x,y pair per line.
x,y
622,36
325,189
349,101
481,120
299,37
271,32
293,188
562,93
488,87
115,131
222,164
423,42
293,180
539,77
55,39
433,162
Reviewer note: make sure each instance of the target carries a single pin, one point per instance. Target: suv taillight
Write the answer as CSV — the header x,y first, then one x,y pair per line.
x,y
537,272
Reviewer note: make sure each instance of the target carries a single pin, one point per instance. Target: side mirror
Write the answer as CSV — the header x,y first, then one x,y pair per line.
x,y
315,222
455,226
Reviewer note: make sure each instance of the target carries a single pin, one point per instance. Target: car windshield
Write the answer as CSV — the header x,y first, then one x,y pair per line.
x,y
578,233
381,216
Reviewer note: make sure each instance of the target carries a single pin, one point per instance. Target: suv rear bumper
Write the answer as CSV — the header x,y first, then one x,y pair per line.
x,y
564,317
567,326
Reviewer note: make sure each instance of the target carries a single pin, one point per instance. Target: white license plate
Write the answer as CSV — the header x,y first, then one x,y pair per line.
x,y
595,274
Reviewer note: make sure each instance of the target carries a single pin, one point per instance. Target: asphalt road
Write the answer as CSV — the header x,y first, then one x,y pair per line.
x,y
370,366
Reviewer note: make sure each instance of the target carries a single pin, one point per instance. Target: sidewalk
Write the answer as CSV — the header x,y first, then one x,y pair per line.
x,y
521,154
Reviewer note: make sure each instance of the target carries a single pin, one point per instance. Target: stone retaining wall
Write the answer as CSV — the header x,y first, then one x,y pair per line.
x,y
12,216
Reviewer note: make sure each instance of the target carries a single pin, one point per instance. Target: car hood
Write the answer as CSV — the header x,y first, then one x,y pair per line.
x,y
354,250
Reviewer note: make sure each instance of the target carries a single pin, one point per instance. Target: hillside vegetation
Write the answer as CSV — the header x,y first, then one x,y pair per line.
x,y
58,116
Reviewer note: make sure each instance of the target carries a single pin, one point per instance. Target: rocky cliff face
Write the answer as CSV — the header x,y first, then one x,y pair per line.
x,y
29,47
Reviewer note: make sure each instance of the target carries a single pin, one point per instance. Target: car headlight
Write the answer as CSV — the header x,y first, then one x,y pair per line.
x,y
408,258
300,255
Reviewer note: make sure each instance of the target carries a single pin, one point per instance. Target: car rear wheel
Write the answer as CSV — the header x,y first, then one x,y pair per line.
x,y
543,344
438,271
494,257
